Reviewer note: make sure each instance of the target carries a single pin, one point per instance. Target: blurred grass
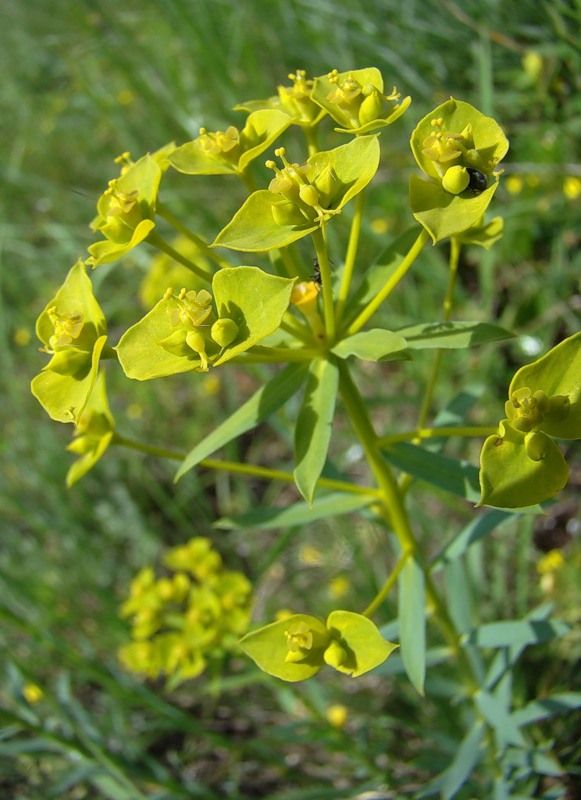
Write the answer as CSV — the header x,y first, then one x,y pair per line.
x,y
83,82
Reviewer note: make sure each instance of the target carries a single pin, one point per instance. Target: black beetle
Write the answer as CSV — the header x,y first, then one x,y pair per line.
x,y
478,182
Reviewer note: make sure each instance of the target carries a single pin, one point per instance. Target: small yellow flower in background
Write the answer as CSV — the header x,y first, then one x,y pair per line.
x,y
380,225
135,411
125,97
572,187
211,385
514,184
32,693
532,64
22,337
547,567
337,715
180,622
310,555
533,181
552,561
339,587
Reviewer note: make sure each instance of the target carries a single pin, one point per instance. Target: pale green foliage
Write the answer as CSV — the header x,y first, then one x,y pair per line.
x,y
313,328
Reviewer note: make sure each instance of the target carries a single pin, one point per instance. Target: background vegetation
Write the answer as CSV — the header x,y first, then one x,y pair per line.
x,y
83,82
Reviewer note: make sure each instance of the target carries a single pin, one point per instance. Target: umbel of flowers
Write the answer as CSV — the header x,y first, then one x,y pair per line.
x,y
229,310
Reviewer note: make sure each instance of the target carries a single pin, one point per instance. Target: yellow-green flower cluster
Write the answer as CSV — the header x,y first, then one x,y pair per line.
x,y
193,614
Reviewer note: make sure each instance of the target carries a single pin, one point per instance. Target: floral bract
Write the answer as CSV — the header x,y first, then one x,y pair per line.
x,y
297,647
301,197
126,210
294,100
230,151
73,330
459,149
94,432
522,465
189,331
356,100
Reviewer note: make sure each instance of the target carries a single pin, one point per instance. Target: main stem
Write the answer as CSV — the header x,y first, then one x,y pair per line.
x,y
393,506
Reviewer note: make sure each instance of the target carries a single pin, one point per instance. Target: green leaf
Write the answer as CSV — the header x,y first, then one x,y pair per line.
x,y
314,425
558,372
373,345
497,715
412,622
298,514
360,640
451,475
452,335
474,532
268,647
517,633
255,300
547,707
268,399
512,475
468,754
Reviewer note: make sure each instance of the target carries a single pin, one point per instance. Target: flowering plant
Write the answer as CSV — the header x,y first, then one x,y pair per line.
x,y
312,329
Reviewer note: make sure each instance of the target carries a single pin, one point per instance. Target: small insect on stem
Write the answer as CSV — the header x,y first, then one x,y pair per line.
x,y
478,182
316,276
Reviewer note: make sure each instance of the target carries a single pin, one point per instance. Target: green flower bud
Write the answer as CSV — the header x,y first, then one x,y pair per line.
x,y
456,179
224,331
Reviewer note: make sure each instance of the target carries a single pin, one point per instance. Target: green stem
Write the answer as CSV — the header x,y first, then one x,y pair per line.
x,y
312,136
387,586
193,237
390,285
395,512
250,470
158,241
434,433
327,288
447,307
351,255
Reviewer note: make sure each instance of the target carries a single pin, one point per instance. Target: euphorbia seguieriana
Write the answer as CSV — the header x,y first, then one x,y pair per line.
x,y
314,321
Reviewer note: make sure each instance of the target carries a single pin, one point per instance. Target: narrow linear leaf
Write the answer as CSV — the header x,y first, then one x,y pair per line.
x,y
268,399
517,633
451,475
373,345
548,707
412,622
452,335
331,505
474,532
314,425
467,756
496,714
